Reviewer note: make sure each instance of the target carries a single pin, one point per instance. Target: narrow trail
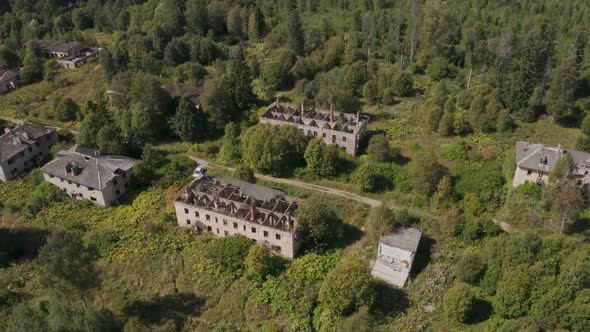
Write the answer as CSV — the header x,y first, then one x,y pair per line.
x,y
296,183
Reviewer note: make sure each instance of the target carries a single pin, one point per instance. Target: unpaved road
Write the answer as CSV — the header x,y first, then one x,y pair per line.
x,y
295,183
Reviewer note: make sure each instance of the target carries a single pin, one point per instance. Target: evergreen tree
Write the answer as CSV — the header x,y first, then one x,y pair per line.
x,y
295,39
189,123
255,25
239,80
561,95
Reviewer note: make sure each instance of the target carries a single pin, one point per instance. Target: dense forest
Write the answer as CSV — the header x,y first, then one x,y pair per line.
x,y
449,86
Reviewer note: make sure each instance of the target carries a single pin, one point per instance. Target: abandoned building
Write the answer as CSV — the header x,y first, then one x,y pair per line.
x,y
343,129
534,163
182,90
396,253
55,49
231,207
87,174
78,59
8,80
24,147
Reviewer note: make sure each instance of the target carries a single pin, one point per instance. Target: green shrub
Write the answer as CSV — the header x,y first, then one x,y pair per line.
x,y
244,172
348,287
458,302
469,268
512,297
455,152
480,180
472,205
230,253
261,263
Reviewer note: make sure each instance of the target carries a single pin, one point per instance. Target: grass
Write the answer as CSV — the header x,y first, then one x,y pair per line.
x,y
34,101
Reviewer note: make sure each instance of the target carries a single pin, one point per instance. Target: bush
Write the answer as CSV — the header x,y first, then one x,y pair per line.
x,y
318,224
244,172
348,287
458,302
261,262
321,158
230,253
469,268
512,297
472,205
455,152
440,68
379,149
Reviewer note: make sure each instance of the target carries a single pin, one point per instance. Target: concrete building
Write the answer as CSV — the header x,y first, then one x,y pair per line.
x,y
86,174
8,80
229,207
534,163
78,59
24,147
182,90
54,49
343,129
396,253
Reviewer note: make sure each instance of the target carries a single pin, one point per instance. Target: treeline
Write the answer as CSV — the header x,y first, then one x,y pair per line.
x,y
530,57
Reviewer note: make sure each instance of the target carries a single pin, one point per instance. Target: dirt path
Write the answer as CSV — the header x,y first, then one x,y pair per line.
x,y
296,183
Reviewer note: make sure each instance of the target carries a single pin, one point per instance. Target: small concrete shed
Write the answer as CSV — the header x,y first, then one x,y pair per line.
x,y
397,249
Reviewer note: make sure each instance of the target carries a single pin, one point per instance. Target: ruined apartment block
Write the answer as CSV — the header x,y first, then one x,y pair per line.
x,y
24,147
231,207
84,173
343,129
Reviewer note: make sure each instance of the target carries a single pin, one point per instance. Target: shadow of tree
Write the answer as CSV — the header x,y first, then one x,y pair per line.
x,y
482,310
159,309
350,234
389,300
423,255
20,244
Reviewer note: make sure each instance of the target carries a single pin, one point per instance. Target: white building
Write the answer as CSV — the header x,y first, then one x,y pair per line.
x,y
24,147
230,207
534,163
86,174
396,253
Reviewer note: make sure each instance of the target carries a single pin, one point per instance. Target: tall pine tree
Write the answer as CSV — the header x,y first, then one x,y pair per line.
x,y
239,80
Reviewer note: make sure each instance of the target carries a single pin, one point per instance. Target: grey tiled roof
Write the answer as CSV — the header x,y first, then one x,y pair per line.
x,y
95,170
403,237
6,75
19,138
57,46
529,156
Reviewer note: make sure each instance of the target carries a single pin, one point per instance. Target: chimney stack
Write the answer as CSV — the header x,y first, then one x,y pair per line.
x,y
278,104
302,107
331,112
358,118
252,213
7,130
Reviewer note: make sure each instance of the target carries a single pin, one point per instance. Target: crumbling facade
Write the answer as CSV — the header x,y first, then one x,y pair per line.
x,y
78,59
230,207
86,174
343,129
24,147
55,49
534,163
396,253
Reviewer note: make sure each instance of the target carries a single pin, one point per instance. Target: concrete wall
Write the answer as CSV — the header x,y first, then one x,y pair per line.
x,y
223,225
349,141
29,158
522,176
104,197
